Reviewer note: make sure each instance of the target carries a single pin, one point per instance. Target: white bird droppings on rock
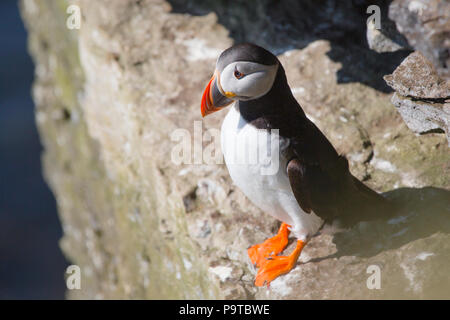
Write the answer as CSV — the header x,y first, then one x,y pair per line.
x,y
424,255
222,272
298,90
383,165
416,6
356,157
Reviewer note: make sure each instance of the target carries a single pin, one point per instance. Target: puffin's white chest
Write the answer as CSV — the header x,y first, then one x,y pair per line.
x,y
256,166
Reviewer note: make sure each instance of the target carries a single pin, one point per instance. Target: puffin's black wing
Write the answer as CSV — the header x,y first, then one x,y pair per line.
x,y
299,184
317,190
321,180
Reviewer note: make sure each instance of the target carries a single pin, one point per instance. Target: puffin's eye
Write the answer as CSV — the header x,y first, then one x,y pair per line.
x,y
237,74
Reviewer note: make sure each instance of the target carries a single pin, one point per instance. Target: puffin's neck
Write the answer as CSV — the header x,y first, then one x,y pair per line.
x,y
278,100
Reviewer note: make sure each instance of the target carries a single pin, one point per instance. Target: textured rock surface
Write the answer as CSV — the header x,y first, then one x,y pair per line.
x,y
422,81
423,116
422,97
110,96
426,26
416,77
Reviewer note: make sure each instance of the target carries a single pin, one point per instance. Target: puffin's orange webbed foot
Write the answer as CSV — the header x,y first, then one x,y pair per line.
x,y
277,266
260,252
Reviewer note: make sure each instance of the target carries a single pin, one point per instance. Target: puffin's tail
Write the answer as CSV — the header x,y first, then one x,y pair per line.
x,y
371,205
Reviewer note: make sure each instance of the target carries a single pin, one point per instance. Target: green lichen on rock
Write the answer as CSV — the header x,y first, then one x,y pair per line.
x,y
110,224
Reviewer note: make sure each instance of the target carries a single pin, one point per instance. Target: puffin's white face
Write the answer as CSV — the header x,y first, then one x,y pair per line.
x,y
243,72
244,80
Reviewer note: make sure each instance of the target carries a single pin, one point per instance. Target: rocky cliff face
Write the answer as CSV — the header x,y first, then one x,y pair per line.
x,y
422,81
110,96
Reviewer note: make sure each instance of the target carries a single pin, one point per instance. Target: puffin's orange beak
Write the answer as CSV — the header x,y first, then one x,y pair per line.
x,y
212,99
207,105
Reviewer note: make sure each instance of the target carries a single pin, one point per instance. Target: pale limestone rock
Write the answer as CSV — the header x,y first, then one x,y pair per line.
x,y
426,26
422,97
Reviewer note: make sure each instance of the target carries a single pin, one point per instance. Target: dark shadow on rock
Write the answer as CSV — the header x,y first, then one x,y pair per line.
x,y
284,25
366,66
421,213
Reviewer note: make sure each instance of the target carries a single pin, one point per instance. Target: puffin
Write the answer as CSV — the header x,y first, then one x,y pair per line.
x,y
280,159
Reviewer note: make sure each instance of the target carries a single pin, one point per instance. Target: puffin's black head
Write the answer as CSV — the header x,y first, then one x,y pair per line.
x,y
243,72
